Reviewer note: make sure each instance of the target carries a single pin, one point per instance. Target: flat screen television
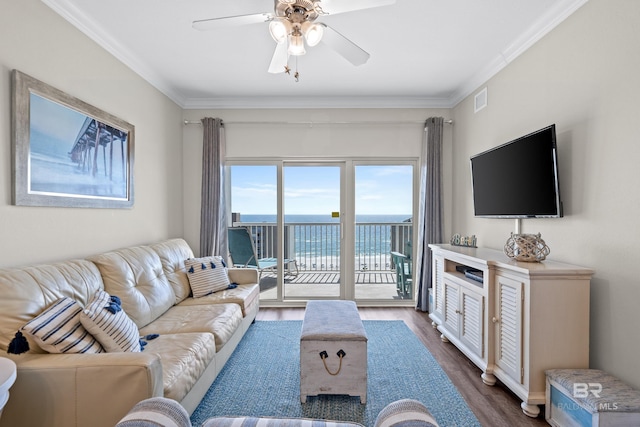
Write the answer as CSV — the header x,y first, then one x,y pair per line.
x,y
518,179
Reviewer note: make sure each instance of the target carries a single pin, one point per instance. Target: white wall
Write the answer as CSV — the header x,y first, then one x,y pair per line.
x,y
585,77
38,42
302,141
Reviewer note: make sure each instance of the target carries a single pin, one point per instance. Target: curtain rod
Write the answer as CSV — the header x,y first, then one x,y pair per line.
x,y
369,122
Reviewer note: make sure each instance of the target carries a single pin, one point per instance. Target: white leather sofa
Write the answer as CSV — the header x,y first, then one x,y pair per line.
x,y
196,336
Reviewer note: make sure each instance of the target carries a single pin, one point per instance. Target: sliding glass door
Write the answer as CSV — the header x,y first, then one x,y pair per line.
x,y
383,231
254,206
313,231
328,230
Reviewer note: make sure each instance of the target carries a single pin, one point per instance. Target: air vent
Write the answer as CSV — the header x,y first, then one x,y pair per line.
x,y
480,100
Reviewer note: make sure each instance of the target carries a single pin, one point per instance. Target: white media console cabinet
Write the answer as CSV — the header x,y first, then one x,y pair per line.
x,y
514,321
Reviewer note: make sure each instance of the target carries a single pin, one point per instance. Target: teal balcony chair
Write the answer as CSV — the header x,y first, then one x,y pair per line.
x,y
243,253
404,279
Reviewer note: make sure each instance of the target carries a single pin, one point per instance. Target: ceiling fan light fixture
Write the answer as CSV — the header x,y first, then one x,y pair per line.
x,y
296,45
279,29
312,33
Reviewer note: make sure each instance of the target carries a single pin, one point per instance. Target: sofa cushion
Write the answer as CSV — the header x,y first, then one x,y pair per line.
x,y
172,254
184,357
246,296
206,275
135,275
58,329
221,320
28,291
109,323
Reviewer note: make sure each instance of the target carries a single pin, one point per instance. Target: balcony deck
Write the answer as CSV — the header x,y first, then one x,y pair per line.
x,y
362,277
375,285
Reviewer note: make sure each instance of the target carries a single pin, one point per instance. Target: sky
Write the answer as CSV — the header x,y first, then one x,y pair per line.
x,y
60,124
314,190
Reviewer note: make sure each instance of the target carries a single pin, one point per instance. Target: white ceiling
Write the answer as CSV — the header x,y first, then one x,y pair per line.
x,y
424,53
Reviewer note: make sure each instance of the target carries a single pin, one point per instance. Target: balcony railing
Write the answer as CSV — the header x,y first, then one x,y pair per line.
x,y
316,246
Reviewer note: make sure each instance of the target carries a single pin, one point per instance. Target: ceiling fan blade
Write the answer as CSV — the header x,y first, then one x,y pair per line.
x,y
280,59
345,47
231,21
331,7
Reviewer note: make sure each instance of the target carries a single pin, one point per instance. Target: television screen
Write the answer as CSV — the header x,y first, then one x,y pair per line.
x,y
518,179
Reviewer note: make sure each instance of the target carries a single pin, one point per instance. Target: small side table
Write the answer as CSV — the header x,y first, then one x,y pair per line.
x,y
7,378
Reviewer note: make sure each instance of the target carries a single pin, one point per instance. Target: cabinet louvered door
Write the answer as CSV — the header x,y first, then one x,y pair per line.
x,y
451,311
471,325
438,297
508,321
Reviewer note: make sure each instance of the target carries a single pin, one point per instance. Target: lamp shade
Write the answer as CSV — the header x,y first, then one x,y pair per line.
x,y
312,33
296,45
279,29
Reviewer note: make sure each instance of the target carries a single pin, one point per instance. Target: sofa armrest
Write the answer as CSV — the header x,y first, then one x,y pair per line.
x,y
156,411
243,276
80,389
405,412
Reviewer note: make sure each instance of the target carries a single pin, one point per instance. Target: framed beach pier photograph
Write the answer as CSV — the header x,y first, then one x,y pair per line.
x,y
66,152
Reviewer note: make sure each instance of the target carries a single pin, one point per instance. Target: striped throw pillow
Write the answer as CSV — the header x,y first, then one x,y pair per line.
x,y
111,327
206,275
58,329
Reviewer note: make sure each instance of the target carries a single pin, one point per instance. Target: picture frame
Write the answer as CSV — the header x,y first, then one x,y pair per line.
x,y
67,153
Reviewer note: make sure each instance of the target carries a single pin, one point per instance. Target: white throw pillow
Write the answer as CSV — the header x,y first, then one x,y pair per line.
x,y
58,329
206,275
107,321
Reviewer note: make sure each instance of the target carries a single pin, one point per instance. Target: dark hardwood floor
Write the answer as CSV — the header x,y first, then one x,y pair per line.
x,y
494,406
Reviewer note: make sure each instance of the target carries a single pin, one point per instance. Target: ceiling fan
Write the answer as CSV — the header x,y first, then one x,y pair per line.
x,y
294,21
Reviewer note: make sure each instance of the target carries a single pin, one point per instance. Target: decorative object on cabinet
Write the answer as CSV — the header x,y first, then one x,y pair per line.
x,y
66,152
526,247
502,323
468,241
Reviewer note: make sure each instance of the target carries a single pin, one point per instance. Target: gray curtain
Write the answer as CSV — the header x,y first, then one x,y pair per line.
x,y
213,221
430,209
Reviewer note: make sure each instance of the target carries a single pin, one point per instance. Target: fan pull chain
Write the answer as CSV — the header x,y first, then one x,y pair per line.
x,y
296,75
324,355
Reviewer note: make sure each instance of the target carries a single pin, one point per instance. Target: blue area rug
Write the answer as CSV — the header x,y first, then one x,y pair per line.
x,y
262,378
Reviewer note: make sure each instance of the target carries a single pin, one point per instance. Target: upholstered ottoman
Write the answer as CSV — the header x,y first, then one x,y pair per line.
x,y
333,350
590,397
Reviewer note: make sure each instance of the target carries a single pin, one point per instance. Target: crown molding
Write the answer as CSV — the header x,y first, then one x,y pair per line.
x,y
560,11
314,102
93,30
